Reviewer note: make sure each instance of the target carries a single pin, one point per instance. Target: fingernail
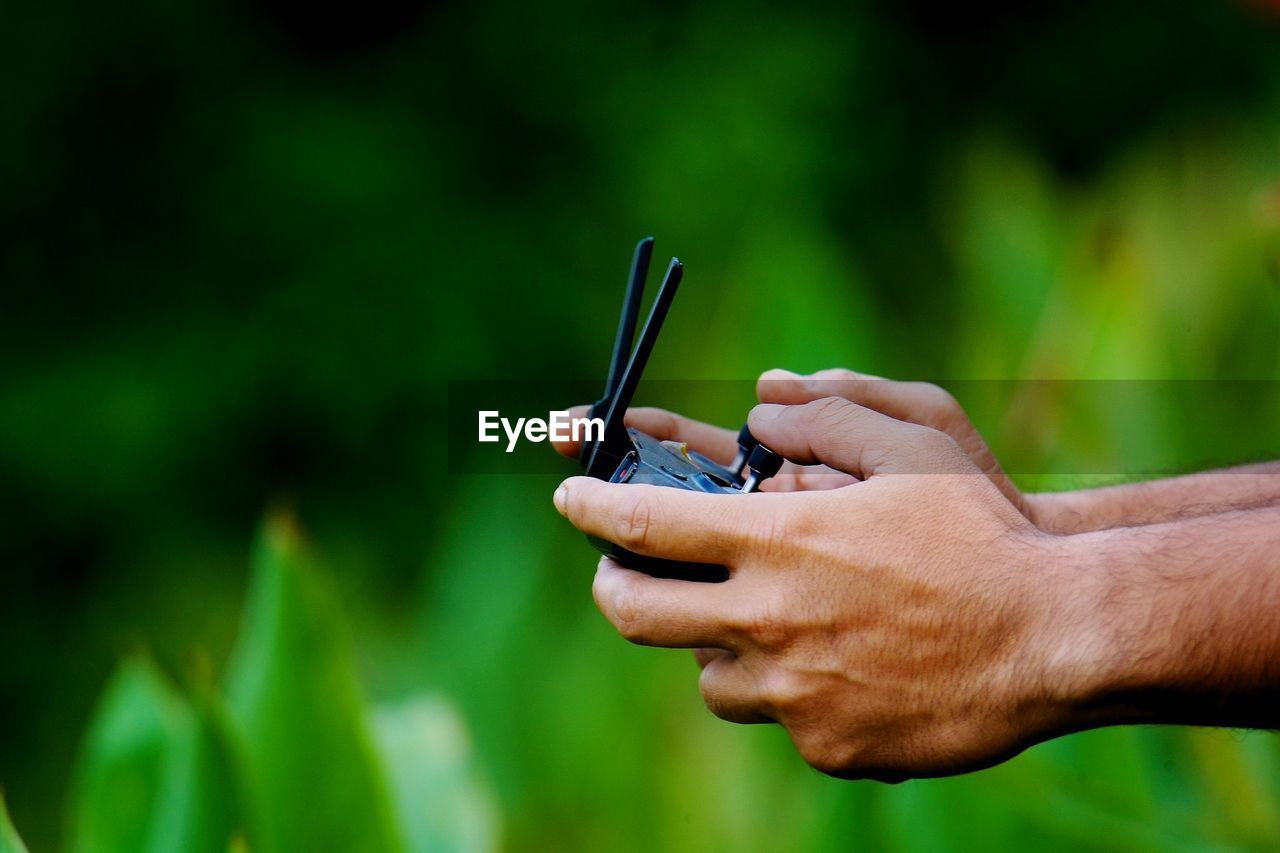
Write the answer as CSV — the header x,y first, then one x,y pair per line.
x,y
559,498
780,373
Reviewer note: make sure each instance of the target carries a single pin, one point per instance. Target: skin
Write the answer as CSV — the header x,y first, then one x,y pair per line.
x,y
1150,502
903,611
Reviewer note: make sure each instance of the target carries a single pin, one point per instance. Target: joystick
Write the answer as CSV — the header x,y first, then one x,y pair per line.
x,y
763,464
746,443
622,455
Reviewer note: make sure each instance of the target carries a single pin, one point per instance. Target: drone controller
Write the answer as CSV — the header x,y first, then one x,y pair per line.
x,y
622,455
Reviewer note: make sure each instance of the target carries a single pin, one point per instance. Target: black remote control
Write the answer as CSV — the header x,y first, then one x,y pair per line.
x,y
623,455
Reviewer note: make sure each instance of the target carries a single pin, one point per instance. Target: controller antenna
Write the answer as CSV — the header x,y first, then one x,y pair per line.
x,y
615,443
626,334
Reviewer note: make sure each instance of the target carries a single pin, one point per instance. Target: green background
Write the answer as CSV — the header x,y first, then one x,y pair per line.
x,y
246,246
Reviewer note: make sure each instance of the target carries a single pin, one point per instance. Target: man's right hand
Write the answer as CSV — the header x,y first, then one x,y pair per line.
x,y
1150,502
914,402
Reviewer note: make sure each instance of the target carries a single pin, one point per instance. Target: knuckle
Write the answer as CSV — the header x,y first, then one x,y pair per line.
x,y
769,630
829,411
627,615
764,626
635,520
941,410
832,756
779,691
933,441
937,442
938,398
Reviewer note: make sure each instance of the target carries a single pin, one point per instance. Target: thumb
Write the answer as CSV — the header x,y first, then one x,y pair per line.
x,y
854,439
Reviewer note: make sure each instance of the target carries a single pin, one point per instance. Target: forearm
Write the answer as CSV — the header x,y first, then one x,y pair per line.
x,y
1157,501
1174,623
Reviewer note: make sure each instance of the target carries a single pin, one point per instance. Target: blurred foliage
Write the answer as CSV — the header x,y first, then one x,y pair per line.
x,y
291,687
9,840
246,245
292,759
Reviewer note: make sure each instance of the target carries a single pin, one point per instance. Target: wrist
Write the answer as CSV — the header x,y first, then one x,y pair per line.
x,y
1079,645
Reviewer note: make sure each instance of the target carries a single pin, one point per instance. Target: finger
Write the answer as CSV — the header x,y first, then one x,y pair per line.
x,y
714,442
816,478
806,478
854,439
918,402
731,692
652,611
665,522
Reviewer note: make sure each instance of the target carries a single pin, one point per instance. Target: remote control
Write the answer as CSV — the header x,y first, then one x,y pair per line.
x,y
622,455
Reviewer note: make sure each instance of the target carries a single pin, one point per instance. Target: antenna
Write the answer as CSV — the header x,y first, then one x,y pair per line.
x,y
615,443
630,313
626,325
622,342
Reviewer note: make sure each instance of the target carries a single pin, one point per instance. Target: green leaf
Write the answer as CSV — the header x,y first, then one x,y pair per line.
x,y
440,804
118,773
9,840
314,780
196,806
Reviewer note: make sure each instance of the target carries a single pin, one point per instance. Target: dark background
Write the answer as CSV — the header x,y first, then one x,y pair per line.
x,y
246,246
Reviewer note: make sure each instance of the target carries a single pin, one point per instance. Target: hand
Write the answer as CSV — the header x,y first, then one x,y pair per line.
x,y
1127,505
717,444
914,402
901,626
